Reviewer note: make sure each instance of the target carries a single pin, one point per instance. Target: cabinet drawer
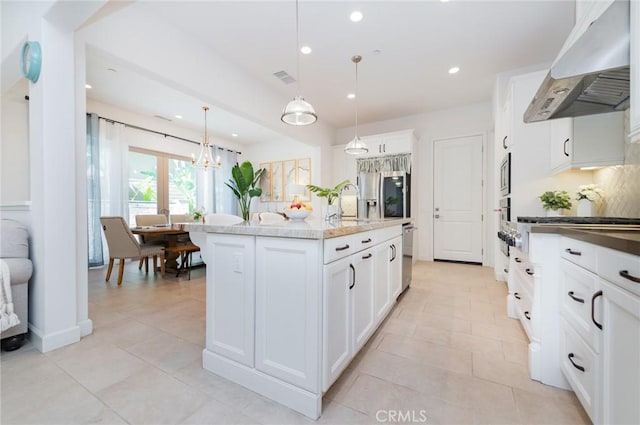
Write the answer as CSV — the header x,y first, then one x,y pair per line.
x,y
524,274
578,252
620,268
580,366
340,247
365,240
524,310
387,233
577,288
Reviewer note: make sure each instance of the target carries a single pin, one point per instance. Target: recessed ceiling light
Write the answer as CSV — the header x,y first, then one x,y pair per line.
x,y
234,134
454,70
88,86
179,117
376,52
356,16
351,96
112,69
305,50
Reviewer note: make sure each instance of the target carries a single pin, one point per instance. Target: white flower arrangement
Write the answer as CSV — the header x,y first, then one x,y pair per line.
x,y
589,191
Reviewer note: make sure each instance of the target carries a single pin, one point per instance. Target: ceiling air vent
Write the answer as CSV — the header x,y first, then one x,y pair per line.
x,y
284,77
163,118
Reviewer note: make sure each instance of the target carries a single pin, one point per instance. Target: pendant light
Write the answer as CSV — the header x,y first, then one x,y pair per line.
x,y
207,158
356,146
298,111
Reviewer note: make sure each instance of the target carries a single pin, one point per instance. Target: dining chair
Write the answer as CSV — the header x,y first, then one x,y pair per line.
x,y
150,220
123,244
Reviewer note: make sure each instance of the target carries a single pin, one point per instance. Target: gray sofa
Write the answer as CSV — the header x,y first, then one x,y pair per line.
x,y
14,250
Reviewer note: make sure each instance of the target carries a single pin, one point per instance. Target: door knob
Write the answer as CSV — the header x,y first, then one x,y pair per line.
x,y
437,216
437,209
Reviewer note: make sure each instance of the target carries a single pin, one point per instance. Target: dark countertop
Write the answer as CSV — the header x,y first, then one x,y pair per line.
x,y
620,238
580,220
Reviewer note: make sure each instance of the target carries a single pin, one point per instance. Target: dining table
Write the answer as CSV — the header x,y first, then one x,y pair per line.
x,y
171,234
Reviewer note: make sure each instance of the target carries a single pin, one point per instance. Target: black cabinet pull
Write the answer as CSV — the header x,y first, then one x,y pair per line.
x,y
626,275
366,257
564,147
518,297
527,315
506,270
571,356
504,142
353,276
366,240
393,252
518,260
342,248
528,271
572,252
593,306
580,300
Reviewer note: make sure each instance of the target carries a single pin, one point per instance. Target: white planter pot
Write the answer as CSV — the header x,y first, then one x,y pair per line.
x,y
555,213
586,208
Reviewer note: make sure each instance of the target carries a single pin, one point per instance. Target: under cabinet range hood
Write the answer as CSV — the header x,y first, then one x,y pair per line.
x,y
591,73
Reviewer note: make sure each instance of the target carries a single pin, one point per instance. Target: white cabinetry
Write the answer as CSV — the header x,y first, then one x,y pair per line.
x,y
506,122
288,294
395,268
634,116
357,293
620,353
600,330
231,259
592,141
390,143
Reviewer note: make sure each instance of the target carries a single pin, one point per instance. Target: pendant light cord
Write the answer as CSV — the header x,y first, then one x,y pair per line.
x,y
297,50
357,99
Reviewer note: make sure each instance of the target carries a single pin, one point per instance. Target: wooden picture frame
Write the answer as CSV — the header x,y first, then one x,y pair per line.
x,y
277,181
290,178
265,182
303,176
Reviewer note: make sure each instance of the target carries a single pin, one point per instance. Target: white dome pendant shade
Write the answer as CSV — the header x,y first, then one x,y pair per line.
x,y
356,146
298,112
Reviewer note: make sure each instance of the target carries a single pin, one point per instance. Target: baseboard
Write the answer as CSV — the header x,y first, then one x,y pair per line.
x,y
295,398
49,342
86,327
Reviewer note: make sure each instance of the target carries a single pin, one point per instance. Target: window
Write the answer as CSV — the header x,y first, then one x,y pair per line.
x,y
159,181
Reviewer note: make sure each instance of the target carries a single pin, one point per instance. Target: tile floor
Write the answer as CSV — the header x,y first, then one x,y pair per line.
x,y
447,354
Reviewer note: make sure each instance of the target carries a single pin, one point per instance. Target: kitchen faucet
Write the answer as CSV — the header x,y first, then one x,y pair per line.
x,y
354,186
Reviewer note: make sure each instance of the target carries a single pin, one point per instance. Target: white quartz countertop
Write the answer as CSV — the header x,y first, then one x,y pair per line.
x,y
299,229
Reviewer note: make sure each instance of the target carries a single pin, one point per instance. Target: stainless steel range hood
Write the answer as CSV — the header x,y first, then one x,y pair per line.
x,y
591,73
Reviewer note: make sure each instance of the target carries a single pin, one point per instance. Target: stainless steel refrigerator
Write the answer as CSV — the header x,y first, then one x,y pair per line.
x,y
384,195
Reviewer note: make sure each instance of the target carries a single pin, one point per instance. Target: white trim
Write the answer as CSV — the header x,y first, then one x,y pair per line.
x,y
45,343
305,402
18,206
86,327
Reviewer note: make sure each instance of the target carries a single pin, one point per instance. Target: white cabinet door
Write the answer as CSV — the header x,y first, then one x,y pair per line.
x,y
634,111
288,302
336,325
362,315
395,268
397,143
230,300
382,296
620,355
560,144
507,119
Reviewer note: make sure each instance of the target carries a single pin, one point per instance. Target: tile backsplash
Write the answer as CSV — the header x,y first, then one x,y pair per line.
x,y
621,185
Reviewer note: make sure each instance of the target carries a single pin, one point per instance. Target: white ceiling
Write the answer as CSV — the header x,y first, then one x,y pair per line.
x,y
418,40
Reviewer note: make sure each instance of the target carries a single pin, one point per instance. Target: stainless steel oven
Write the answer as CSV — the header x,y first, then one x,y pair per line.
x,y
505,175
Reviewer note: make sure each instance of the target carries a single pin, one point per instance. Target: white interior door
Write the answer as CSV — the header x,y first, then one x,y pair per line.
x,y
457,199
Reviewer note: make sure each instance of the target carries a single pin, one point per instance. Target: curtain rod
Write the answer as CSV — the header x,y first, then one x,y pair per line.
x,y
159,133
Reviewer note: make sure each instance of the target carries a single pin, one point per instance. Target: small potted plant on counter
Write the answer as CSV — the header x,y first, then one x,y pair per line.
x,y
331,193
555,202
587,195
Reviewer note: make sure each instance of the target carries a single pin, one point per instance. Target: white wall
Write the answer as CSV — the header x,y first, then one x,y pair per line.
x,y
14,147
460,121
280,151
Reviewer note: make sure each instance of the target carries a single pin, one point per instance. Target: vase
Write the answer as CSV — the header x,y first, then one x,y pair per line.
x,y
585,208
555,213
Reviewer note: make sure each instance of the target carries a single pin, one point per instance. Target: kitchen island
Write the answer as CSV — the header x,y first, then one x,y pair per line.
x,y
290,304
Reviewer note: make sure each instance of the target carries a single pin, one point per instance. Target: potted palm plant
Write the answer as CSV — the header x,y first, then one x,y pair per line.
x,y
243,183
331,193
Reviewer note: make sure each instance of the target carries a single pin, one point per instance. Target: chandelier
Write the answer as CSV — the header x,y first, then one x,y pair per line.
x,y
207,157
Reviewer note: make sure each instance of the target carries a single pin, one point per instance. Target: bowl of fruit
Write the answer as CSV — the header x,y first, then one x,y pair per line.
x,y
298,211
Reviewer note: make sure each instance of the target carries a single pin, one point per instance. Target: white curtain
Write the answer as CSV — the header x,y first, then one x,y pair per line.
x,y
114,163
213,195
